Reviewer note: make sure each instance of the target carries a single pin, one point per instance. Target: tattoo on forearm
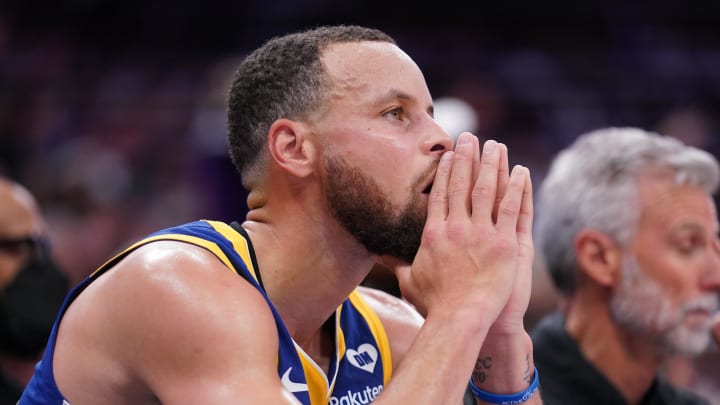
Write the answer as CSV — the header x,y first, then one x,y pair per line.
x,y
480,373
527,376
484,364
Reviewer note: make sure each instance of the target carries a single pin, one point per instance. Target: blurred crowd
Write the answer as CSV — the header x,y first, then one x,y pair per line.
x,y
114,115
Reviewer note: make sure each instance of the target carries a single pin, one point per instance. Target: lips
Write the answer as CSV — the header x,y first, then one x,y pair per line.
x,y
699,312
429,175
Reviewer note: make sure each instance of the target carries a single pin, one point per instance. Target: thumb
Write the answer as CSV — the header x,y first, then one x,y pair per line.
x,y
403,272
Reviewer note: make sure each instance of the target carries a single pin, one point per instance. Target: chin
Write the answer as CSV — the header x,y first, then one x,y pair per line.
x,y
688,340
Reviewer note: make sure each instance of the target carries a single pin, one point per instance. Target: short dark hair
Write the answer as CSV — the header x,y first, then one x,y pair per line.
x,y
284,78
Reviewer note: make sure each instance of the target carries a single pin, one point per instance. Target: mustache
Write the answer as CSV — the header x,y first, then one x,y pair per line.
x,y
707,302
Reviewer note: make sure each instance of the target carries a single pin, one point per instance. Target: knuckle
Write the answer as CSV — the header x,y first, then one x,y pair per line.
x,y
504,247
489,160
437,197
458,186
509,210
456,231
483,192
431,233
527,246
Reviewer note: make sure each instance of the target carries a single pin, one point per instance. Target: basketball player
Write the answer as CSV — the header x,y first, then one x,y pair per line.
x,y
333,133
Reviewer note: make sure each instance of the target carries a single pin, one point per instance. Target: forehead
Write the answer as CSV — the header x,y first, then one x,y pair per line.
x,y
372,67
667,205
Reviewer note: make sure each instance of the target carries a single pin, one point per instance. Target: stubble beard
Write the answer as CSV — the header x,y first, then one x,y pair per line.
x,y
357,202
642,306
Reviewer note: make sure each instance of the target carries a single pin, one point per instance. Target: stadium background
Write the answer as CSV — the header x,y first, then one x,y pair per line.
x,y
112,112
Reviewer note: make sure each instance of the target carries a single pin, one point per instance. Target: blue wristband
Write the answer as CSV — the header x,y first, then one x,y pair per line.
x,y
510,399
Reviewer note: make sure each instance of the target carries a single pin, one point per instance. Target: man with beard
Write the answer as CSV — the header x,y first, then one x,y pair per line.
x,y
32,288
333,134
628,230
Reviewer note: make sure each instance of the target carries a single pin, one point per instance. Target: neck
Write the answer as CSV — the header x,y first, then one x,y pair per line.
x,y
629,362
308,267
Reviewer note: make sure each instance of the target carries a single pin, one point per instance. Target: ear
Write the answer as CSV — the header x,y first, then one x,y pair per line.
x,y
598,256
291,146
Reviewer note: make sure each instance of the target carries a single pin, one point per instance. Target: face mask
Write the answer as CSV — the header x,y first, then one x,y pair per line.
x,y
29,305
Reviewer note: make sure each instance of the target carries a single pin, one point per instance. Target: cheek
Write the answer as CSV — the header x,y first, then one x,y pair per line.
x,y
385,164
675,275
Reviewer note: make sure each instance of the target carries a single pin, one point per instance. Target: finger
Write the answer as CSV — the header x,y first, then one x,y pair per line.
x,y
485,188
403,274
524,226
509,208
503,178
407,288
525,216
438,200
401,270
716,329
476,163
461,176
390,262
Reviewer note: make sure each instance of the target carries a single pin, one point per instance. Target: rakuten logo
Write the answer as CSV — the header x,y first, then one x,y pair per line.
x,y
356,398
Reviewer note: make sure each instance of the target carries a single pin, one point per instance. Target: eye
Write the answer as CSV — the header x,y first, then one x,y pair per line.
x,y
689,244
394,113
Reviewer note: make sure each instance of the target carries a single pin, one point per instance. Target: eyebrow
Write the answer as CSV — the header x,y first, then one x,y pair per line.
x,y
693,227
394,94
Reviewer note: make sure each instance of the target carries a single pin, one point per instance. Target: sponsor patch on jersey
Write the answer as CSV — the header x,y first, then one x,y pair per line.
x,y
364,358
364,396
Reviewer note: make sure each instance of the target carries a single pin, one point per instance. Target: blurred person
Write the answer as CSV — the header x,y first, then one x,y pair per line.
x,y
628,230
694,126
269,311
32,288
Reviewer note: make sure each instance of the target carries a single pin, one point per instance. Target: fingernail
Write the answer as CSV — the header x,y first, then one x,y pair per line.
x,y
490,146
463,139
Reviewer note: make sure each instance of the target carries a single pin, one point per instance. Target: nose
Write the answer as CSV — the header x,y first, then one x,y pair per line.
x,y
437,141
711,277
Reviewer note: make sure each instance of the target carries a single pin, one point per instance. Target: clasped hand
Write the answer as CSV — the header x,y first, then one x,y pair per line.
x,y
476,253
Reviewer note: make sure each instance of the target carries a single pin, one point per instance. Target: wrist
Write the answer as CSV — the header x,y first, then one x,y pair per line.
x,y
507,399
506,340
505,363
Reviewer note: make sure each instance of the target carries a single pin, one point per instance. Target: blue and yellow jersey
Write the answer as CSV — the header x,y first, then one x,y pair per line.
x,y
359,368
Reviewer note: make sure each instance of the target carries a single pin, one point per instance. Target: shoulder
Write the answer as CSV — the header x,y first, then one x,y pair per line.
x,y
167,274
389,307
164,305
185,281
400,319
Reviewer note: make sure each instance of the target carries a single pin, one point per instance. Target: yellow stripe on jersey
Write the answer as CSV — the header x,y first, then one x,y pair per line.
x,y
318,389
238,241
377,330
212,247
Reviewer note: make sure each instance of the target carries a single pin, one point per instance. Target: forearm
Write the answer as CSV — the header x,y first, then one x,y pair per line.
x,y
505,366
435,370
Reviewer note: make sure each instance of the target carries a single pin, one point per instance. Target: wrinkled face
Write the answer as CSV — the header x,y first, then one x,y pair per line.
x,y
380,146
671,277
19,220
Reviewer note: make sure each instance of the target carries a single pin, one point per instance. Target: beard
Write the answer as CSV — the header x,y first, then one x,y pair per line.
x,y
642,306
357,202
